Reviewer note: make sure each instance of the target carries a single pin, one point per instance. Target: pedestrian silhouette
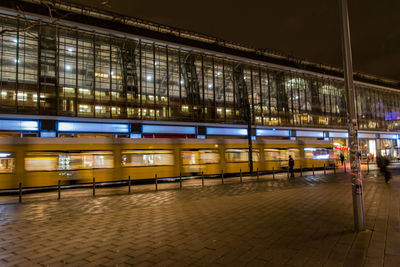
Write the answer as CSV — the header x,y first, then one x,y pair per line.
x,y
291,166
341,158
383,163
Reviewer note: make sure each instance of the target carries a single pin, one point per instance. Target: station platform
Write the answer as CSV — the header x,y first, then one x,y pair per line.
x,y
264,222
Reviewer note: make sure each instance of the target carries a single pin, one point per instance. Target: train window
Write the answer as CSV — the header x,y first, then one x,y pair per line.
x,y
54,161
241,155
142,158
281,154
7,162
91,160
195,157
285,153
41,161
209,156
316,153
271,154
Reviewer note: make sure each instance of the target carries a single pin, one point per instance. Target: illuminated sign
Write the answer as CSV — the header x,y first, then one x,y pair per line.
x,y
272,132
91,127
309,134
226,131
338,134
164,129
19,125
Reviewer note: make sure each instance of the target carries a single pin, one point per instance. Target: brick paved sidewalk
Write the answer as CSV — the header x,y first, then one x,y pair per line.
x,y
303,223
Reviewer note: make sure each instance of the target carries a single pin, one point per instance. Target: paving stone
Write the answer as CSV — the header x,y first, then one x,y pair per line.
x,y
306,222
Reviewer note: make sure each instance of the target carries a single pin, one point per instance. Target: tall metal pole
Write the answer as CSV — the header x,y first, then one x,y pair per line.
x,y
356,179
249,138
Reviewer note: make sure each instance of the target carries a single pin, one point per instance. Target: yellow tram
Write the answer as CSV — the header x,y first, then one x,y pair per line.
x,y
37,162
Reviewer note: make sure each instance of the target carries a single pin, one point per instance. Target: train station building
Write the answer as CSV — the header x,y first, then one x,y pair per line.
x,y
77,71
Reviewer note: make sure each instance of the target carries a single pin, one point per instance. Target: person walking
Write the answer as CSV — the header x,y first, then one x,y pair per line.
x,y
291,166
383,163
342,158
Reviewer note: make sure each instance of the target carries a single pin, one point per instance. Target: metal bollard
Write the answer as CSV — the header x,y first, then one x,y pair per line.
x,y
59,189
155,180
324,169
345,167
94,186
241,176
222,177
258,175
129,184
301,171
334,168
368,166
202,179
288,173
313,170
20,193
273,173
180,180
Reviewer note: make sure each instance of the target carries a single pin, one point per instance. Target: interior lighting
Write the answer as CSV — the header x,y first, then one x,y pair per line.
x,y
209,86
309,149
68,67
149,78
326,156
4,155
83,90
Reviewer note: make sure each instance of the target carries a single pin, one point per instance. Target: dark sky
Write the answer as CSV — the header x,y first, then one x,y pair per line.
x,y
307,29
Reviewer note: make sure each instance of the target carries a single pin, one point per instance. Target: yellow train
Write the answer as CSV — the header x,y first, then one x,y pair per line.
x,y
37,162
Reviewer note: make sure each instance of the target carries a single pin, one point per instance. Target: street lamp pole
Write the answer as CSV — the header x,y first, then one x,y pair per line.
x,y
356,179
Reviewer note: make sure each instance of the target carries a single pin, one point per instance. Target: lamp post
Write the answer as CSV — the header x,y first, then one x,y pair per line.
x,y
356,179
249,138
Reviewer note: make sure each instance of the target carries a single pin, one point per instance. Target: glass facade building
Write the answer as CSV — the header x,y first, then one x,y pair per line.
x,y
59,70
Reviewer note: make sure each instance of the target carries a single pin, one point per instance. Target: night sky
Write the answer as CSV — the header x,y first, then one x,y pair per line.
x,y
307,29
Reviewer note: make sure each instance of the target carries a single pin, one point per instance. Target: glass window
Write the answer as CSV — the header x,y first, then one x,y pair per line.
x,y
271,154
54,161
190,157
317,153
7,162
42,161
281,154
143,158
241,155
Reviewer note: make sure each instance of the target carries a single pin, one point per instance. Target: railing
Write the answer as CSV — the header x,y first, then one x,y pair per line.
x,y
255,177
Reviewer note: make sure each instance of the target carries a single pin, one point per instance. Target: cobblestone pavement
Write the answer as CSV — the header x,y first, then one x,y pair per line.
x,y
306,222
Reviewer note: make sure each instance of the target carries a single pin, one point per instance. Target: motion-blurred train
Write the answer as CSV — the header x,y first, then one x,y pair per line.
x,y
37,162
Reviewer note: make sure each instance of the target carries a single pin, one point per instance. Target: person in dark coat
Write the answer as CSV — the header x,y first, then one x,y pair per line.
x,y
341,158
383,163
291,166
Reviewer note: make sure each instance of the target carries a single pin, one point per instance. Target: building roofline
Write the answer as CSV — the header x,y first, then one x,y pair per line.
x,y
82,14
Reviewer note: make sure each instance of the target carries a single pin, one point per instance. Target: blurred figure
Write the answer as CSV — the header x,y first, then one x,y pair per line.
x,y
342,158
383,163
291,166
